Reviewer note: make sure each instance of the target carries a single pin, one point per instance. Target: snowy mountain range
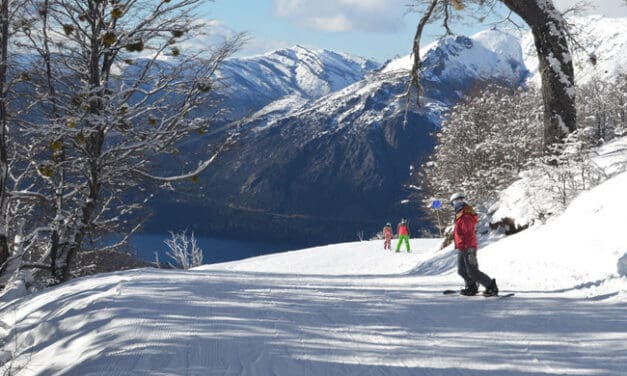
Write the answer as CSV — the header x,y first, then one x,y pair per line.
x,y
298,72
603,38
325,158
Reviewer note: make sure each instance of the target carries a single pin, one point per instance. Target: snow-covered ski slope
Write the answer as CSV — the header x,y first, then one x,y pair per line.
x,y
348,309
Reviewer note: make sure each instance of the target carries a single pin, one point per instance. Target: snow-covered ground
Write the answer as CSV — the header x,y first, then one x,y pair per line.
x,y
348,309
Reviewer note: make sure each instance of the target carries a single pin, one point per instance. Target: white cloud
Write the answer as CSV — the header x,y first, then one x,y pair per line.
x,y
257,46
336,23
608,8
344,15
217,32
212,33
387,15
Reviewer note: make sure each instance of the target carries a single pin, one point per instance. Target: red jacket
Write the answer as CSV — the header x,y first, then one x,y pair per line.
x,y
387,232
402,229
465,223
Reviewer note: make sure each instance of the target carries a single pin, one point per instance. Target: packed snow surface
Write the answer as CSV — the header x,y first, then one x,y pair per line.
x,y
348,309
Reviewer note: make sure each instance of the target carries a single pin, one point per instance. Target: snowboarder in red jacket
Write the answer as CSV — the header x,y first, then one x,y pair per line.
x,y
466,246
387,235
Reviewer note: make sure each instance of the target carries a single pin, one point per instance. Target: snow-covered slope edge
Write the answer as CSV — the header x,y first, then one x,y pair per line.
x,y
584,245
366,258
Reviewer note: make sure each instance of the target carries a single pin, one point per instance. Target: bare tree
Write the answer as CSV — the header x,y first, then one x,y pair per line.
x,y
4,42
551,40
184,250
117,96
484,142
9,13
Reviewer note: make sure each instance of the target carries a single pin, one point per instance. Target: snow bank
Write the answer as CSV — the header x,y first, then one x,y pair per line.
x,y
583,245
530,198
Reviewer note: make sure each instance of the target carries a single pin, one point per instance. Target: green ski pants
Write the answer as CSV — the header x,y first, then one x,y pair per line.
x,y
402,238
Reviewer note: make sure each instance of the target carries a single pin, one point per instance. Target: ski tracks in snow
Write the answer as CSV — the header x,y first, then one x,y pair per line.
x,y
226,322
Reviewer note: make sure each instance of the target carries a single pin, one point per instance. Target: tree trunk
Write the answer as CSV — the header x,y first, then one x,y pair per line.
x,y
555,66
67,250
4,42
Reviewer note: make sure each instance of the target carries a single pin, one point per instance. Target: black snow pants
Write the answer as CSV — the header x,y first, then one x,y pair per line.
x,y
468,268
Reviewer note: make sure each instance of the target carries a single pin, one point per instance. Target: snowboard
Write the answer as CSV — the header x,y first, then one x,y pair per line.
x,y
450,292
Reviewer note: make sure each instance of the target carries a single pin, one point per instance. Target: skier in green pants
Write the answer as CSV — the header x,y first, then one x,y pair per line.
x,y
403,235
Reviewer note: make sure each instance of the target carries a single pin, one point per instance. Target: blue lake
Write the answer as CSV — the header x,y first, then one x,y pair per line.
x,y
214,250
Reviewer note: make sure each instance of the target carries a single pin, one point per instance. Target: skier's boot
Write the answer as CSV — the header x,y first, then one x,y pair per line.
x,y
470,290
492,289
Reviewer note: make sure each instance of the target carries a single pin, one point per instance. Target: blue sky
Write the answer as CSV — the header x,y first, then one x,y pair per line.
x,y
376,29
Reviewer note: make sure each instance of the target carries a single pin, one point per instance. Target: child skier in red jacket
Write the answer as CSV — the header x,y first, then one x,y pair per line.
x,y
387,235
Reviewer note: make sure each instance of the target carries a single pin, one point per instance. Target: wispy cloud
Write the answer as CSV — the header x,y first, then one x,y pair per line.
x,y
344,15
217,32
257,46
212,33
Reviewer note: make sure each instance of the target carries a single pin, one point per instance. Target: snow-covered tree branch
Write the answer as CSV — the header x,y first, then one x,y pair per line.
x,y
487,140
484,143
117,96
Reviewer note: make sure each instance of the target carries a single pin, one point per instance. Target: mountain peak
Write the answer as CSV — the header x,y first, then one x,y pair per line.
x,y
488,52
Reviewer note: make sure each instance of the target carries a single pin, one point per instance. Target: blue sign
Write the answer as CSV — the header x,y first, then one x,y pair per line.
x,y
436,204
